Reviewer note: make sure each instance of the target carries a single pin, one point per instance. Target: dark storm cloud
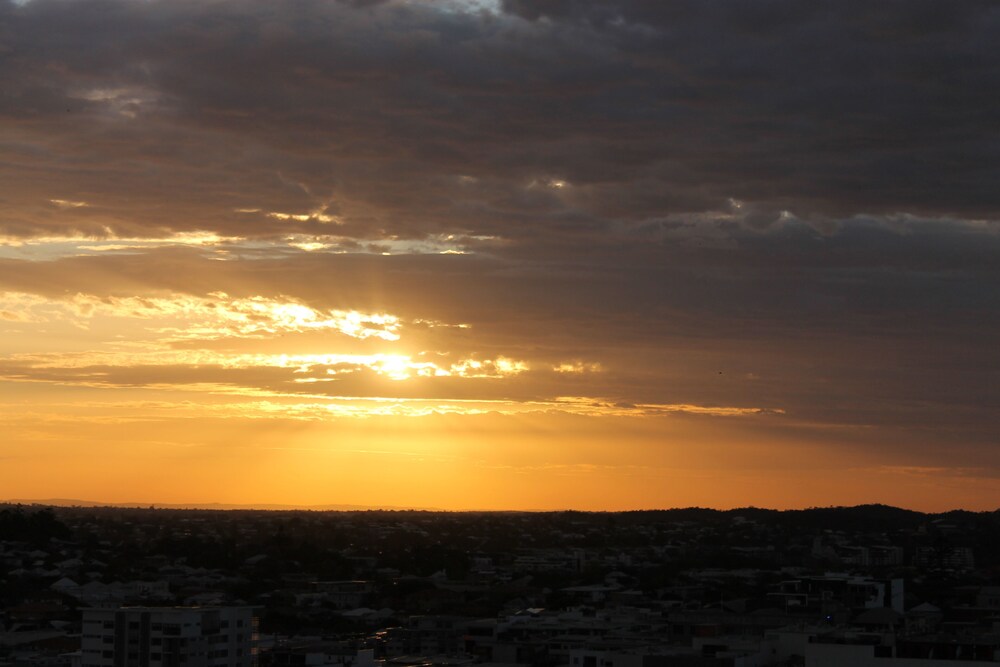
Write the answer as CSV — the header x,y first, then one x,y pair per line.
x,y
377,111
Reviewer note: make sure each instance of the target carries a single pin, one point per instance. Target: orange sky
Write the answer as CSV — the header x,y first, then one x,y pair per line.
x,y
473,255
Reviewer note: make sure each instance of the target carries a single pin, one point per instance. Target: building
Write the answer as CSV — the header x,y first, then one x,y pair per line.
x,y
831,591
169,637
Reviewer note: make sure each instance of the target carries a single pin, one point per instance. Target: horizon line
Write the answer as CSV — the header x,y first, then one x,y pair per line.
x,y
347,507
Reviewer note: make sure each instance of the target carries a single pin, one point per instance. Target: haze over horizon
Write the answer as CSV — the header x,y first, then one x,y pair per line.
x,y
347,508
583,254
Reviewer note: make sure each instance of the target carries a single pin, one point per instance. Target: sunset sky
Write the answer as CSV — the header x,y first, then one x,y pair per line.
x,y
484,254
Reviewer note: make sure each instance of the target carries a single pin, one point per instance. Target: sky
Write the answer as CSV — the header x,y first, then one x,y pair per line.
x,y
514,254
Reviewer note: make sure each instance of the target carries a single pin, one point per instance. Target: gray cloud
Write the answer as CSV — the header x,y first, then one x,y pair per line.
x,y
645,109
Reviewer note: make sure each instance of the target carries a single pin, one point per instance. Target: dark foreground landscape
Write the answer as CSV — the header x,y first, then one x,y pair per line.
x,y
870,585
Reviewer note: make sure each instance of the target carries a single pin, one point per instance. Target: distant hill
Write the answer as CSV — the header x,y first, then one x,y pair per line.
x,y
874,517
859,517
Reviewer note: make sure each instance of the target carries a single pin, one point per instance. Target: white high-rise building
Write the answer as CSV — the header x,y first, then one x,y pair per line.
x,y
169,637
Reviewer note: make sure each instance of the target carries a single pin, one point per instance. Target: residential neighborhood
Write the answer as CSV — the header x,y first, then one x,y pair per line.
x,y
147,587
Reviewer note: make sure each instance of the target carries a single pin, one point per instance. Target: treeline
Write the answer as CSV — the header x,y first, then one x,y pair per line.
x,y
37,527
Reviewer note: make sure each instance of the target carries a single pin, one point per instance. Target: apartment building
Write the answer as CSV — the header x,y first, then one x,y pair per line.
x,y
169,637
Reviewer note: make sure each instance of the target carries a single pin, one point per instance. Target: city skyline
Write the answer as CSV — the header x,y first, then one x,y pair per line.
x,y
500,254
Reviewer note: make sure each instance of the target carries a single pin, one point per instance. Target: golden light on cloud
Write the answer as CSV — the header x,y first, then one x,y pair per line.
x,y
52,246
577,367
304,217
67,203
214,316
393,366
170,334
499,367
167,320
309,246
